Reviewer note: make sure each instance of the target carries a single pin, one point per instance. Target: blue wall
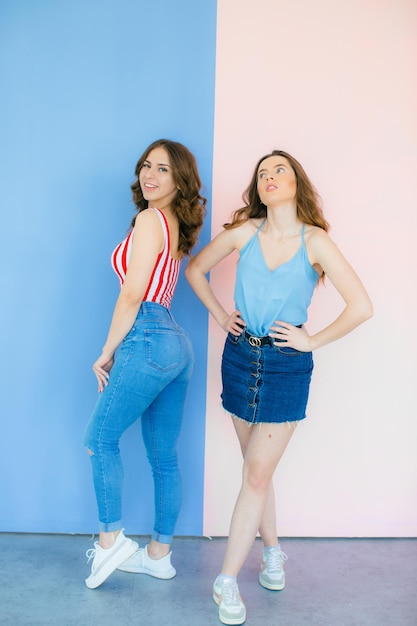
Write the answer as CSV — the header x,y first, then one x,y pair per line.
x,y
86,85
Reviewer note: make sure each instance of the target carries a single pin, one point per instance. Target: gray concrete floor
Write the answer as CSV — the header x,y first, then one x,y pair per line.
x,y
330,582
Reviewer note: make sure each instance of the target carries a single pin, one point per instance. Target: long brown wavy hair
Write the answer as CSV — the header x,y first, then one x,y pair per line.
x,y
309,209
188,205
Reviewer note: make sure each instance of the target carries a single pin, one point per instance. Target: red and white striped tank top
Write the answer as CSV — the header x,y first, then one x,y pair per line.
x,y
165,273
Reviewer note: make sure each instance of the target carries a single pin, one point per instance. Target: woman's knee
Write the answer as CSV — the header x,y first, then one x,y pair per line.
x,y
94,441
163,463
257,478
90,445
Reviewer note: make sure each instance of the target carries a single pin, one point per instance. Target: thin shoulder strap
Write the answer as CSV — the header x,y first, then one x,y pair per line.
x,y
165,227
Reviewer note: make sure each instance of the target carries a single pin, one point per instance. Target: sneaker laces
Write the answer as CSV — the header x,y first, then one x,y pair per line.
x,y
275,559
90,554
230,593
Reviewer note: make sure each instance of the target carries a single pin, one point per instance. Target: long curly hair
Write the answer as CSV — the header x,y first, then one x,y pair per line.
x,y
188,205
309,209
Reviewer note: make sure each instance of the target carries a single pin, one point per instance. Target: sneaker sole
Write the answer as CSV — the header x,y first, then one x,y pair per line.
x,y
126,550
141,570
271,586
229,621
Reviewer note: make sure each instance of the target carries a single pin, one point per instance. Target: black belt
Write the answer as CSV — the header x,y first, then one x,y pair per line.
x,y
258,342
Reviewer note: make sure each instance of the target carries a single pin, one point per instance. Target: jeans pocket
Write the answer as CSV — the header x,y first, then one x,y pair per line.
x,y
164,349
234,339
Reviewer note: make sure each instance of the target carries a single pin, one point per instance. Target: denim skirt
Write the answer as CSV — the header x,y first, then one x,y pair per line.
x,y
265,384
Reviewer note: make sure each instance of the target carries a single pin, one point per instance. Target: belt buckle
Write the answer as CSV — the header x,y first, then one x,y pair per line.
x,y
255,342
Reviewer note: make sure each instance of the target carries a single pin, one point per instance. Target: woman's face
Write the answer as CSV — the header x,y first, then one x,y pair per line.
x,y
276,181
156,179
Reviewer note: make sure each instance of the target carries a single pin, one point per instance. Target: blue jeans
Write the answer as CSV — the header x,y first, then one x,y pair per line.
x,y
148,380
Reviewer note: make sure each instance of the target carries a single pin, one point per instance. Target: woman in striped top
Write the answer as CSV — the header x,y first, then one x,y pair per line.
x,y
146,362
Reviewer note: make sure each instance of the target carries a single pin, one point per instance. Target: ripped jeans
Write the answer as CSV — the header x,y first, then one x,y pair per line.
x,y
148,380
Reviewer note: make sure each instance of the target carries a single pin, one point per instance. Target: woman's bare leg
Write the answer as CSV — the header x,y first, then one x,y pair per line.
x,y
268,525
263,450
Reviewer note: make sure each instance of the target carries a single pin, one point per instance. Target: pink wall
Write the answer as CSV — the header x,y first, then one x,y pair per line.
x,y
333,83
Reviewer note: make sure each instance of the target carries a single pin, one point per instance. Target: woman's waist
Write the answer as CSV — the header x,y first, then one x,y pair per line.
x,y
260,326
261,340
154,310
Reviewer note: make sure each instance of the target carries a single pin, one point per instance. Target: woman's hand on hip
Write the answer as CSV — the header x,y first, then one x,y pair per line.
x,y
233,324
291,336
101,369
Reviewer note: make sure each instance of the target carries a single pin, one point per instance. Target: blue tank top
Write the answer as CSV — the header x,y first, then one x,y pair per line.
x,y
263,296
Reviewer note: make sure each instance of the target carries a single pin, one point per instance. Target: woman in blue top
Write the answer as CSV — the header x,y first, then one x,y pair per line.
x,y
284,250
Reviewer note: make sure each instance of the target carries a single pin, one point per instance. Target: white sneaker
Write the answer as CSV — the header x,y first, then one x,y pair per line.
x,y
231,608
141,563
271,573
106,561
